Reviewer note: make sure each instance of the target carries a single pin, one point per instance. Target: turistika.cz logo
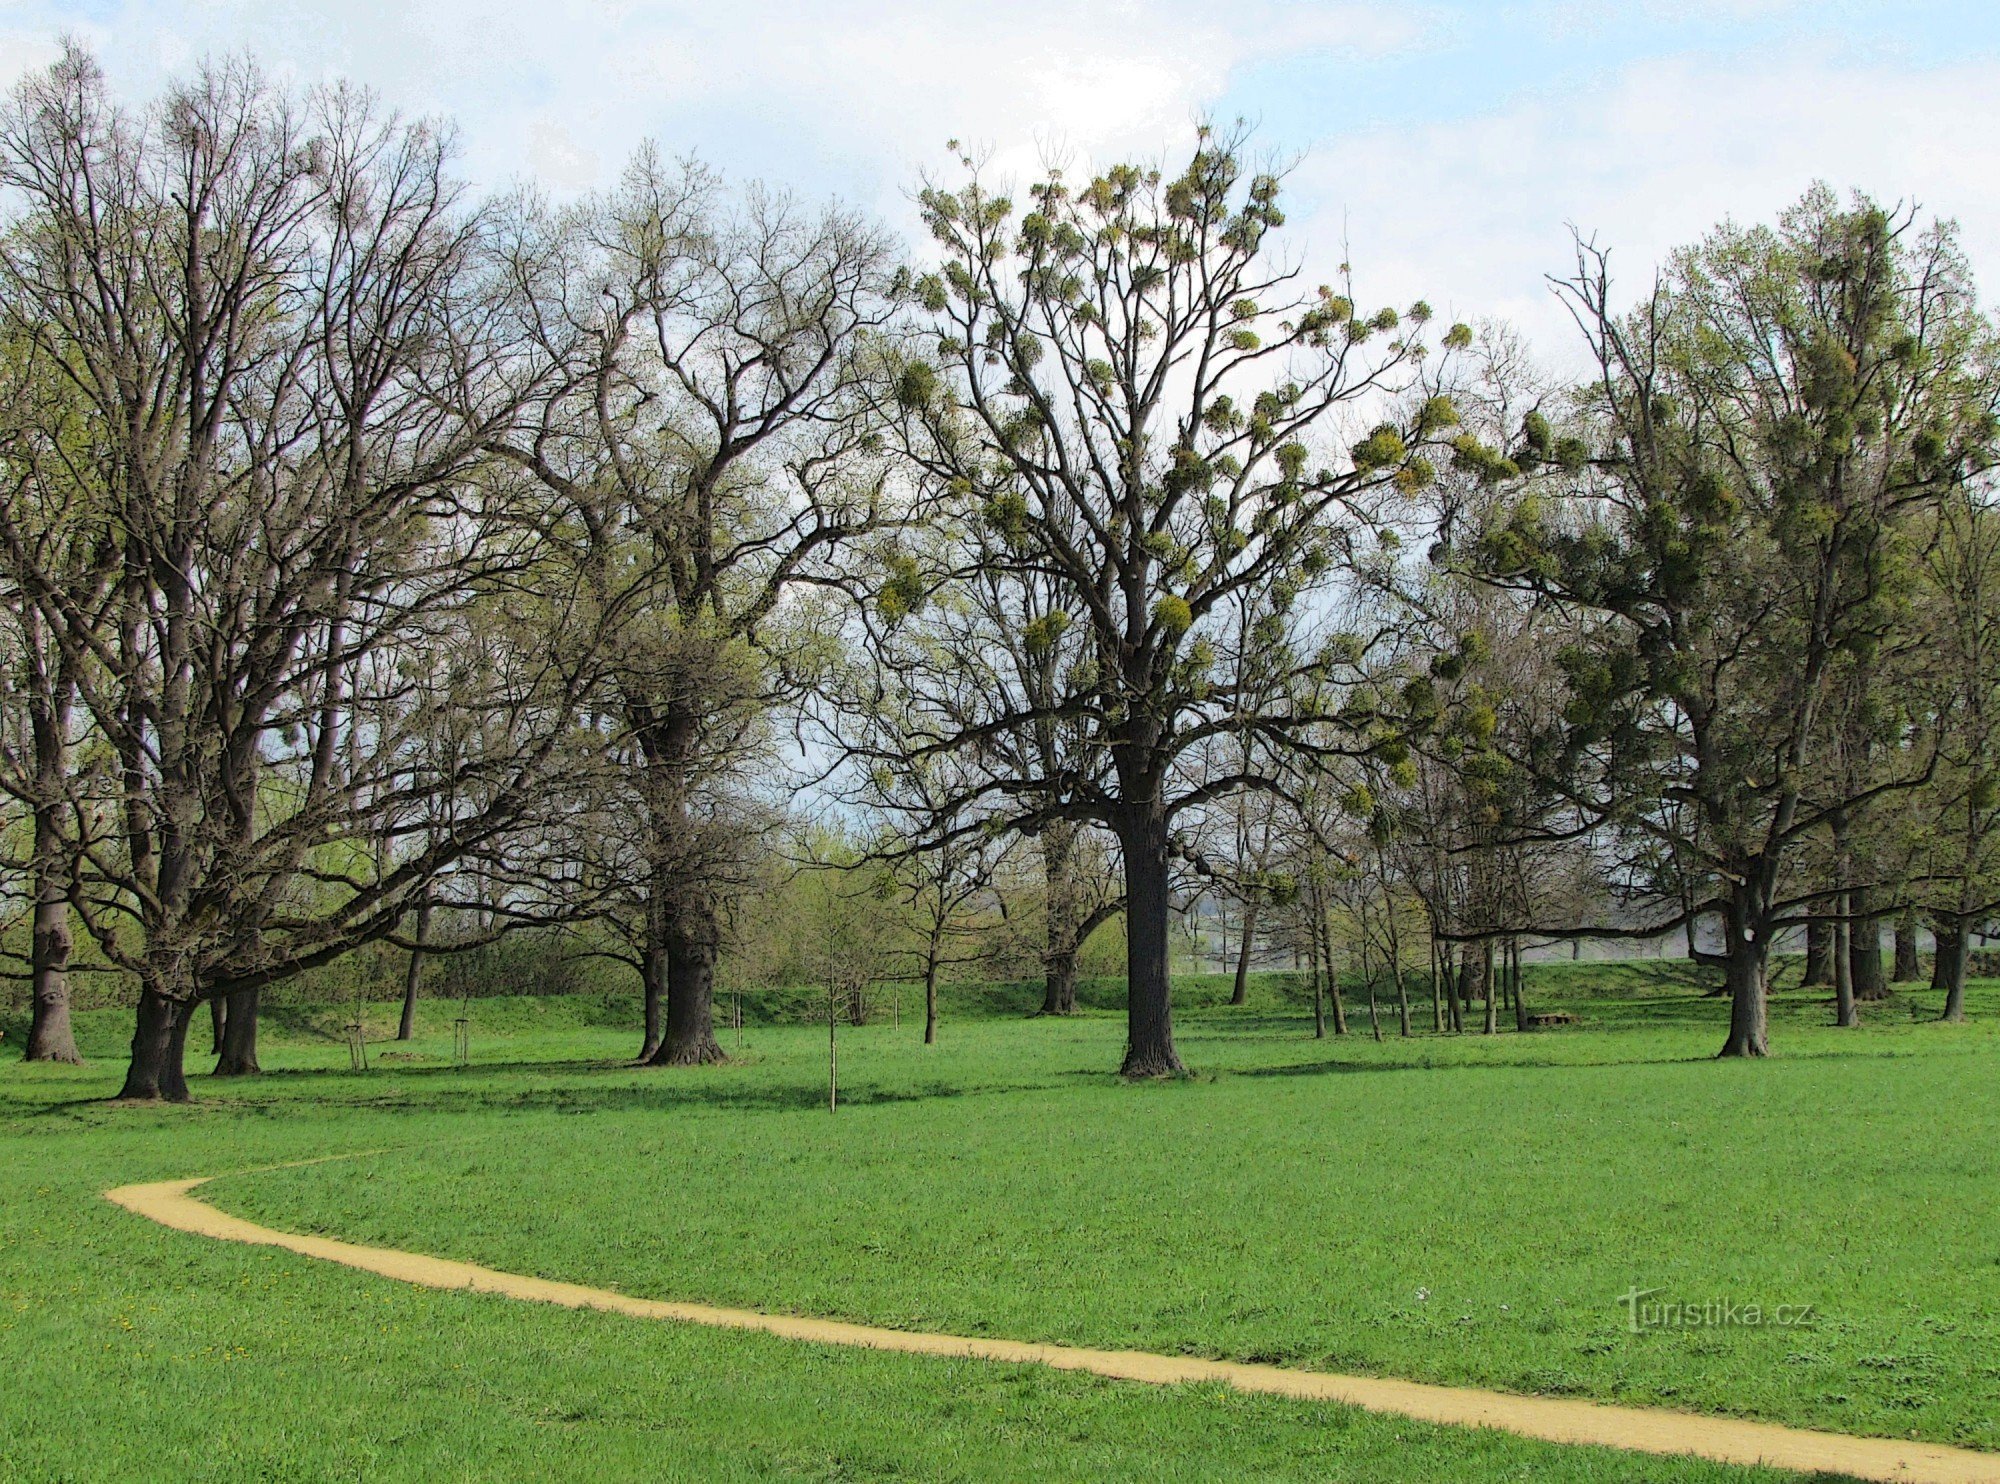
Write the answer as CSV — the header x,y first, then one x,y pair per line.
x,y
1645,1310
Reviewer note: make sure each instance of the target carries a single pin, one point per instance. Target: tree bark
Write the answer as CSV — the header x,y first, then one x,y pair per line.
x,y
1240,994
693,936
1514,971
218,1023
1909,968
1819,952
653,982
1950,969
1844,1011
406,1025
1149,1015
1488,999
50,1034
159,1043
1059,983
1865,947
1745,948
238,1057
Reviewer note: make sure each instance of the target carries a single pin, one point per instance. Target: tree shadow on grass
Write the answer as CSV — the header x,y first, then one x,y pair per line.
x,y
590,1086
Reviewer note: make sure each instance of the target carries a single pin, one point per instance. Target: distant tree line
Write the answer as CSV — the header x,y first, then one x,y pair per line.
x,y
386,565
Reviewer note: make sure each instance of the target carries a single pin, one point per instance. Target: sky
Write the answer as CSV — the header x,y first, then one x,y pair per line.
x,y
1444,149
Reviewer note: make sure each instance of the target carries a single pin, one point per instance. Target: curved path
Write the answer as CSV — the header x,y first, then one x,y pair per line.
x,y
1551,1419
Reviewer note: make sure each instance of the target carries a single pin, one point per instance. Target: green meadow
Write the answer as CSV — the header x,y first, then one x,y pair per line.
x,y
1466,1210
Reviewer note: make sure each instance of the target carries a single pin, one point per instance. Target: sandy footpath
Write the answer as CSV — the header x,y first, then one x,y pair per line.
x,y
1552,1419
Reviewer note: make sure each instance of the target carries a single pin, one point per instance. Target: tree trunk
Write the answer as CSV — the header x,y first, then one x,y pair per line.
x,y
1333,979
406,1026
238,1057
1059,983
1520,1000
1240,995
159,1042
1844,1011
1819,951
1368,975
1488,999
218,1023
1909,968
1950,973
1865,947
1319,994
1060,919
50,1036
1149,1015
930,996
693,936
1745,947
653,985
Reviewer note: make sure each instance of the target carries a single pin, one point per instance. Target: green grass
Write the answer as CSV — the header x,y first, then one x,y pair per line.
x,y
1287,1203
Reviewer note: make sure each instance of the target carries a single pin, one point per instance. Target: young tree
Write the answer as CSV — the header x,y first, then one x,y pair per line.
x,y
1119,384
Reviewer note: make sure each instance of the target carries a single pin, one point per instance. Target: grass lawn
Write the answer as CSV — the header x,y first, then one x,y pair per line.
x,y
1454,1209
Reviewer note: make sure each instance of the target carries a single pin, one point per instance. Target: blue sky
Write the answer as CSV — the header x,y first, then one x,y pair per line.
x,y
1447,147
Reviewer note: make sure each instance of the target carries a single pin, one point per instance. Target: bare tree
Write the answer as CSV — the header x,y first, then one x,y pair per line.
x,y
710,448
269,310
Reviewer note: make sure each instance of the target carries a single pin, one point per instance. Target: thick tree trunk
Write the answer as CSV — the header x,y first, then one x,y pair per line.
x,y
413,976
218,1023
1819,951
1059,983
1909,968
693,936
1240,994
1745,948
653,984
1865,948
1950,972
50,1035
159,1044
1149,1014
238,1057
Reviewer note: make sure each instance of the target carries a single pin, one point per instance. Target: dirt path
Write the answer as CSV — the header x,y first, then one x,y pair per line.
x,y
1551,1419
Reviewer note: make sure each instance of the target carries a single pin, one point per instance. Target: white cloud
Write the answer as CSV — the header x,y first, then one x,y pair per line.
x,y
857,97
1473,213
